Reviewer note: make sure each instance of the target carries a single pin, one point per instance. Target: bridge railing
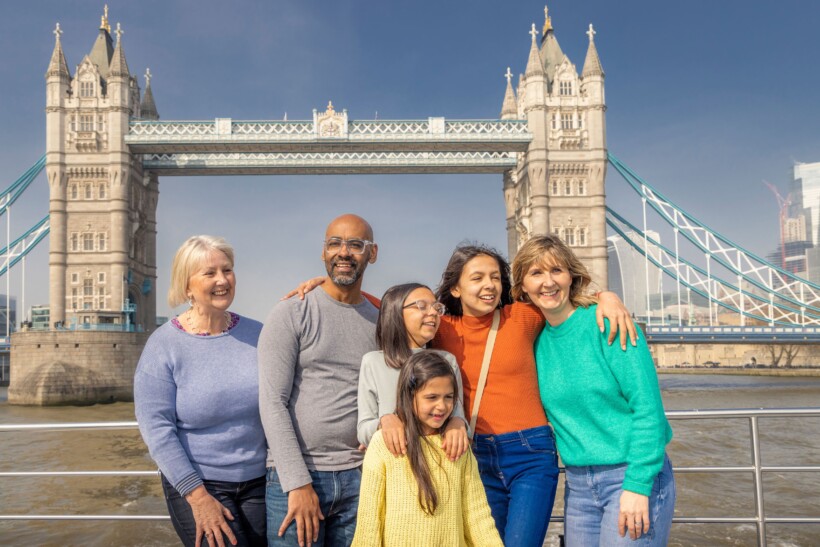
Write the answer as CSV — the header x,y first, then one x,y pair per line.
x,y
756,468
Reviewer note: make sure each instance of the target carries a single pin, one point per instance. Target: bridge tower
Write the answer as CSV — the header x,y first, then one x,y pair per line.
x,y
558,185
102,257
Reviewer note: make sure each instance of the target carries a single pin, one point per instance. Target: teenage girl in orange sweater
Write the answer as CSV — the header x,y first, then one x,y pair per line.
x,y
513,442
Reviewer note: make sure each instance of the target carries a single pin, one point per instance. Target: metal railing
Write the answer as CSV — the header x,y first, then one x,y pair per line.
x,y
756,468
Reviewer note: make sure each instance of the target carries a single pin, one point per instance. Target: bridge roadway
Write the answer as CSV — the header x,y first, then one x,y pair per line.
x,y
228,147
732,335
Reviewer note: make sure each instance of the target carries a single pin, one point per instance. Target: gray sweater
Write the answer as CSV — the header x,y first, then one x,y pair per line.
x,y
310,352
377,392
195,398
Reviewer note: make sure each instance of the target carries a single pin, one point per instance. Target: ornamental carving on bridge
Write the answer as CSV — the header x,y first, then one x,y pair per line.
x,y
330,124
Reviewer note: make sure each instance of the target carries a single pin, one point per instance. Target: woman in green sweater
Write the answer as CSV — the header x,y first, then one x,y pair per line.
x,y
604,405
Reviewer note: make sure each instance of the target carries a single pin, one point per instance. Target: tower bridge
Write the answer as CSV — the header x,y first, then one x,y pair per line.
x,y
106,149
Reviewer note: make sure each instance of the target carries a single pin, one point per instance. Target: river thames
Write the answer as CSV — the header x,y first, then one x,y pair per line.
x,y
696,442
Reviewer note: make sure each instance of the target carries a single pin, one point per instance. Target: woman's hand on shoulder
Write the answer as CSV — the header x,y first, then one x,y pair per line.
x,y
394,435
210,516
305,287
620,322
456,442
634,515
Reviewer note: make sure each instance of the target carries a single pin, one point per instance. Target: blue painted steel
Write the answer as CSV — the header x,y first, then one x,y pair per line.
x,y
733,334
29,248
13,192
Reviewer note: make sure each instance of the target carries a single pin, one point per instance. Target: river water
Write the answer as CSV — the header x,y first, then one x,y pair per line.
x,y
696,442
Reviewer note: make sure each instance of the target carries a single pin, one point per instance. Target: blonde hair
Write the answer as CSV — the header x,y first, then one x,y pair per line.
x,y
533,251
188,259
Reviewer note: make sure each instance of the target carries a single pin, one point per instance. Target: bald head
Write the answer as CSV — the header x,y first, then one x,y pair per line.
x,y
349,226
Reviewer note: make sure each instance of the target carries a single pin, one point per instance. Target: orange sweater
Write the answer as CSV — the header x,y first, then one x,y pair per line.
x,y
511,400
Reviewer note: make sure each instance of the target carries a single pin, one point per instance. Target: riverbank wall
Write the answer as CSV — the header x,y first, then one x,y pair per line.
x,y
782,372
73,367
667,355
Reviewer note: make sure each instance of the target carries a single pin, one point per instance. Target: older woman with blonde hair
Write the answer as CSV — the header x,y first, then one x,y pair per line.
x,y
196,401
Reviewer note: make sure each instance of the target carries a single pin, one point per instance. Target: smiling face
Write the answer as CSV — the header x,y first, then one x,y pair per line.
x,y
343,267
433,403
212,285
421,326
547,284
479,286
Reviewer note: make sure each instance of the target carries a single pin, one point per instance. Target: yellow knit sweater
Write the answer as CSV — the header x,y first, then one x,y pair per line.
x,y
389,510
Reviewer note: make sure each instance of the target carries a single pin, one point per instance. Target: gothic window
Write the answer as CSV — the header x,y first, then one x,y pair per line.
x,y
555,121
100,123
74,299
582,188
75,277
88,192
86,122
100,242
74,242
580,121
88,242
582,237
555,188
73,191
86,89
101,277
566,121
565,88
567,188
88,287
102,191
72,124
570,239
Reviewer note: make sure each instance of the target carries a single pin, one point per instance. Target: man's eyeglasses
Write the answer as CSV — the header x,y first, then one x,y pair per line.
x,y
355,246
424,305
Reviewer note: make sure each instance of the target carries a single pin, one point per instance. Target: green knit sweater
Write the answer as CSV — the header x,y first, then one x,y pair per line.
x,y
604,403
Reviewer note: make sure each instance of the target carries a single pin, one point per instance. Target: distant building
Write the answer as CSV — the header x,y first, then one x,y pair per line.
x,y
806,198
40,317
11,318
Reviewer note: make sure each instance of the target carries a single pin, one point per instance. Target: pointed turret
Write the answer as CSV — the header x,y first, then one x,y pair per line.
x,y
148,109
592,63
509,109
103,49
550,50
118,65
58,65
535,65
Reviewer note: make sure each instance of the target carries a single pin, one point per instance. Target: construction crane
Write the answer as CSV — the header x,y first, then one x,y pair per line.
x,y
783,204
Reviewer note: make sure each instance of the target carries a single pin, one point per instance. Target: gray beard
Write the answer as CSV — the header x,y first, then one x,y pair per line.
x,y
346,280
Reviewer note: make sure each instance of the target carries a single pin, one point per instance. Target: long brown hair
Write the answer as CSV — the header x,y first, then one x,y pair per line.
x,y
419,369
391,332
452,273
533,251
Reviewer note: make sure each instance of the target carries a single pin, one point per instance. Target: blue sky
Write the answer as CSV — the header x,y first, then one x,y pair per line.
x,y
705,100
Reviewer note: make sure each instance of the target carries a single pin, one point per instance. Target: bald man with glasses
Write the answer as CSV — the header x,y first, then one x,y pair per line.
x,y
310,352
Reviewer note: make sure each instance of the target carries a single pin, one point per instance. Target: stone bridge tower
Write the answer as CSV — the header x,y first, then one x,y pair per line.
x,y
102,257
558,185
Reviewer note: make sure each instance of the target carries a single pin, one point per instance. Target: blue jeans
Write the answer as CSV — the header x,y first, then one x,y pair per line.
x,y
520,474
592,504
245,501
338,493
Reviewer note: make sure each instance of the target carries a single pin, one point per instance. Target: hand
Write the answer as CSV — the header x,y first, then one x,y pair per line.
x,y
394,435
210,516
303,507
611,307
455,442
634,514
305,287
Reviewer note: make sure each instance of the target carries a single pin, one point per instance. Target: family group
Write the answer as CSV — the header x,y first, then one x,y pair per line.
x,y
423,418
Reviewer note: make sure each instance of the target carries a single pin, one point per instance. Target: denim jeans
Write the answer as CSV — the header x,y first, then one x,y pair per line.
x,y
520,474
338,493
245,501
592,505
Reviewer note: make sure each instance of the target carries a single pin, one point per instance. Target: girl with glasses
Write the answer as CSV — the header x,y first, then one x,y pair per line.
x,y
408,319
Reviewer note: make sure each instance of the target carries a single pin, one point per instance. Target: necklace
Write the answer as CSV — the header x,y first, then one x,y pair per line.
x,y
193,329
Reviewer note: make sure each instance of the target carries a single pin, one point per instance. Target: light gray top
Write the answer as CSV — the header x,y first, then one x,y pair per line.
x,y
310,352
377,392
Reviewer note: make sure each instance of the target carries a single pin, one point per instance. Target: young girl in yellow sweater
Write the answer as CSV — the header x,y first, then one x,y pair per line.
x,y
423,498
